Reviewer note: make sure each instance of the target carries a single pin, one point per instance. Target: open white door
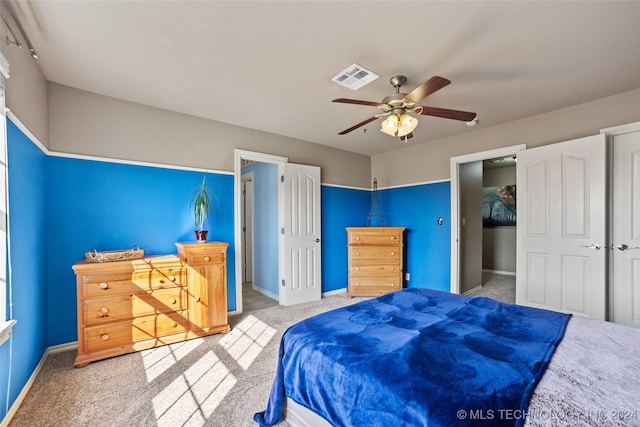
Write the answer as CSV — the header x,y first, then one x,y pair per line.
x,y
561,227
301,261
626,228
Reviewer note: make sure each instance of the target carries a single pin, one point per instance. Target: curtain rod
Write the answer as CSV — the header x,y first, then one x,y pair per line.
x,y
32,51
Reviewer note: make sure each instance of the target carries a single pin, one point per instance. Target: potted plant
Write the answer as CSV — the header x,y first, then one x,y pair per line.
x,y
201,205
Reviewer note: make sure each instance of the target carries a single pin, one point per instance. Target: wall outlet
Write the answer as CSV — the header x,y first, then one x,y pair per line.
x,y
407,276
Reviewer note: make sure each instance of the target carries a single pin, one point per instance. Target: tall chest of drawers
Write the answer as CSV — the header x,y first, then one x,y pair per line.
x,y
375,260
133,305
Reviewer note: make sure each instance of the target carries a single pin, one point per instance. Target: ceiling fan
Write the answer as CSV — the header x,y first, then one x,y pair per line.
x,y
397,106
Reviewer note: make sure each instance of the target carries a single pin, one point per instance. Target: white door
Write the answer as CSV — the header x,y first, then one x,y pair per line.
x,y
561,227
626,229
301,261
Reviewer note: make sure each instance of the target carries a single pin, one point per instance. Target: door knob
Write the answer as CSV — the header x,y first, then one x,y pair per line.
x,y
624,247
593,246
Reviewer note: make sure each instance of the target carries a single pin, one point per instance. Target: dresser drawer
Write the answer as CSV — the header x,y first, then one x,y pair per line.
x,y
100,285
116,334
374,284
378,253
391,270
205,258
127,306
388,237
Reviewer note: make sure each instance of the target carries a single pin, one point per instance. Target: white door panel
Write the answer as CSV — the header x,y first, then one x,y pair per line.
x,y
561,227
301,263
626,229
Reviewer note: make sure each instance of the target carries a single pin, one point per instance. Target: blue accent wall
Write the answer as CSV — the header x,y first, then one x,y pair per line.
x,y
27,210
108,206
427,244
341,208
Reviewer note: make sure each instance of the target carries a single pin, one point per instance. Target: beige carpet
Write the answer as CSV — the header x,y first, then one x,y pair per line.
x,y
220,380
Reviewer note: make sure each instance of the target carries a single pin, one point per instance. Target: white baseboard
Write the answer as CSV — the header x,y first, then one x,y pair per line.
x,y
506,273
275,297
265,292
336,292
474,290
25,390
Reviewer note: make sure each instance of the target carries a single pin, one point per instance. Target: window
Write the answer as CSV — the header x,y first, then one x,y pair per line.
x,y
6,323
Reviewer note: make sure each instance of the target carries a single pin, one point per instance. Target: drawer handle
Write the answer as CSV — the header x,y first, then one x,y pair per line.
x,y
174,324
104,310
393,269
357,237
357,268
393,237
357,253
172,300
393,253
196,299
207,258
172,278
105,337
104,285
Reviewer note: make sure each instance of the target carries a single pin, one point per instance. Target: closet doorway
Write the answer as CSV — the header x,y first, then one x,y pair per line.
x,y
257,204
467,223
287,253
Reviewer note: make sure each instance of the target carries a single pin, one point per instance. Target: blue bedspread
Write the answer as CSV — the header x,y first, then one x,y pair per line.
x,y
416,357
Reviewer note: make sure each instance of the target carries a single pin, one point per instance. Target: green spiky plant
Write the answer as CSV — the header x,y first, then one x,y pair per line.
x,y
201,203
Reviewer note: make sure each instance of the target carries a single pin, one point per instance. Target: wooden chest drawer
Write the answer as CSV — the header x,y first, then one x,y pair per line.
x,y
100,285
127,306
374,285
386,236
116,334
375,270
374,253
205,258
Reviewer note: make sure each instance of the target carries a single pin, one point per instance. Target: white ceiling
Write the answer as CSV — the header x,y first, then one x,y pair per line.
x,y
268,65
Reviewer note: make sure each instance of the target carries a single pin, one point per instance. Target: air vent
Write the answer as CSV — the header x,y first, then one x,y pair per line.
x,y
354,77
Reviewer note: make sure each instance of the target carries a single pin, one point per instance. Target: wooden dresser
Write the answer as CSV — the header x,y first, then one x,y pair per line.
x,y
127,306
375,260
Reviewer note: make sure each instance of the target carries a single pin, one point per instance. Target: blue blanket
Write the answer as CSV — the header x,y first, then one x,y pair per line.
x,y
416,357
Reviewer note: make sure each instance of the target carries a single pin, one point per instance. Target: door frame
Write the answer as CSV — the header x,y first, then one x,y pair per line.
x,y
455,202
240,155
247,220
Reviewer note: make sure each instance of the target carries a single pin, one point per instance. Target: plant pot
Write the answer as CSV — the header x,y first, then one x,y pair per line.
x,y
201,235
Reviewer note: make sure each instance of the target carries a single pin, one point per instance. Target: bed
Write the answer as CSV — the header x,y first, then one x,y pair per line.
x,y
425,357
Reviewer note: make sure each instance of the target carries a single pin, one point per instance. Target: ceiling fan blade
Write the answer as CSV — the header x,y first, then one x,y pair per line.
x,y
427,88
369,120
445,113
357,101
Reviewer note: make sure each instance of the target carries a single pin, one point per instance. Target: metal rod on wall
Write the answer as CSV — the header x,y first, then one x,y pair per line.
x,y
32,51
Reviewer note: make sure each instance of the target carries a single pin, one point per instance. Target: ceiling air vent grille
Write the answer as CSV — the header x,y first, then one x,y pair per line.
x,y
354,77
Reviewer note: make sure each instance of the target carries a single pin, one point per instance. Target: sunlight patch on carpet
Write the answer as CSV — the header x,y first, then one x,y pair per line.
x,y
245,342
192,397
160,359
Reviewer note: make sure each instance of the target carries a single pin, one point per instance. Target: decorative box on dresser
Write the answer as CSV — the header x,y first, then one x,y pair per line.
x,y
133,305
375,260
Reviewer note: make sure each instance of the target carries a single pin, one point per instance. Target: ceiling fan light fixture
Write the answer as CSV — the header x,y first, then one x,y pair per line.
x,y
407,124
390,125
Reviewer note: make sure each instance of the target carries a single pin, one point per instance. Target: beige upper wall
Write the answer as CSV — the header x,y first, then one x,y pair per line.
x,y
431,161
88,124
26,90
